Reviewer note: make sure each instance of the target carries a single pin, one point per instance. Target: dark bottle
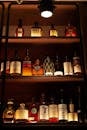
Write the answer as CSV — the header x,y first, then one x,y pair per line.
x,y
33,111
19,30
43,109
8,113
15,64
58,67
76,64
79,109
53,110
62,108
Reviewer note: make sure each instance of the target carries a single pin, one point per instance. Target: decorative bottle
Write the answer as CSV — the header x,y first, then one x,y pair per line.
x,y
19,30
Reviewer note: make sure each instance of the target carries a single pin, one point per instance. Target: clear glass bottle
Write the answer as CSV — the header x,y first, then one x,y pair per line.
x,y
9,111
19,30
27,66
53,31
43,109
68,67
21,114
15,64
33,111
36,31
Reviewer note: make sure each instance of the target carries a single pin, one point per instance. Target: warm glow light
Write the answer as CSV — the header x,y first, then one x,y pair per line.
x,y
46,14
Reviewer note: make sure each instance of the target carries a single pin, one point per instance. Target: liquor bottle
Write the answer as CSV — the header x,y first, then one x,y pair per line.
x,y
53,31
76,64
71,111
62,108
33,111
19,30
43,109
68,68
53,110
70,31
37,68
21,114
79,109
7,69
27,66
15,64
48,66
9,111
36,30
58,67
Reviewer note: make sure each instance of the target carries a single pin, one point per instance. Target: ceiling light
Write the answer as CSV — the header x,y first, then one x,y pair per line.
x,y
19,1
46,8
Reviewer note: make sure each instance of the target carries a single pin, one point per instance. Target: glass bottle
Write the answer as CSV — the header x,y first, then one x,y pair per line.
x,y
27,66
68,68
79,109
58,67
71,111
37,68
15,64
53,31
48,66
9,111
19,30
53,110
76,64
21,114
36,31
62,108
43,109
33,111
70,31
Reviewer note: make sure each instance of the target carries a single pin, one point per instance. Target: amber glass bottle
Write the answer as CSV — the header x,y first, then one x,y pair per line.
x,y
26,66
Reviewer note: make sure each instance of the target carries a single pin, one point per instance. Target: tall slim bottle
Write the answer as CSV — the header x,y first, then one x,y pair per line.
x,y
15,64
19,30
43,109
26,66
62,108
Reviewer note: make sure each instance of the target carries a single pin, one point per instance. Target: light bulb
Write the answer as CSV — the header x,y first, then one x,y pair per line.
x,y
19,1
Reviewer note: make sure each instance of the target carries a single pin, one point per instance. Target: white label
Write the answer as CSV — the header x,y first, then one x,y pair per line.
x,y
62,111
53,111
77,69
43,112
15,67
21,114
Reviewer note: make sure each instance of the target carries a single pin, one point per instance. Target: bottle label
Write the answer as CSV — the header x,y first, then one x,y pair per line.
x,y
53,111
15,67
68,70
43,112
20,32
27,64
21,114
36,32
62,111
77,68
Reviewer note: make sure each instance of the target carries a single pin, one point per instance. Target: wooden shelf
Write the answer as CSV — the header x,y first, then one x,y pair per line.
x,y
42,40
47,125
44,79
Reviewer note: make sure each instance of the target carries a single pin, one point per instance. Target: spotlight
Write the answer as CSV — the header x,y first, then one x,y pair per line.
x,y
46,8
19,1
